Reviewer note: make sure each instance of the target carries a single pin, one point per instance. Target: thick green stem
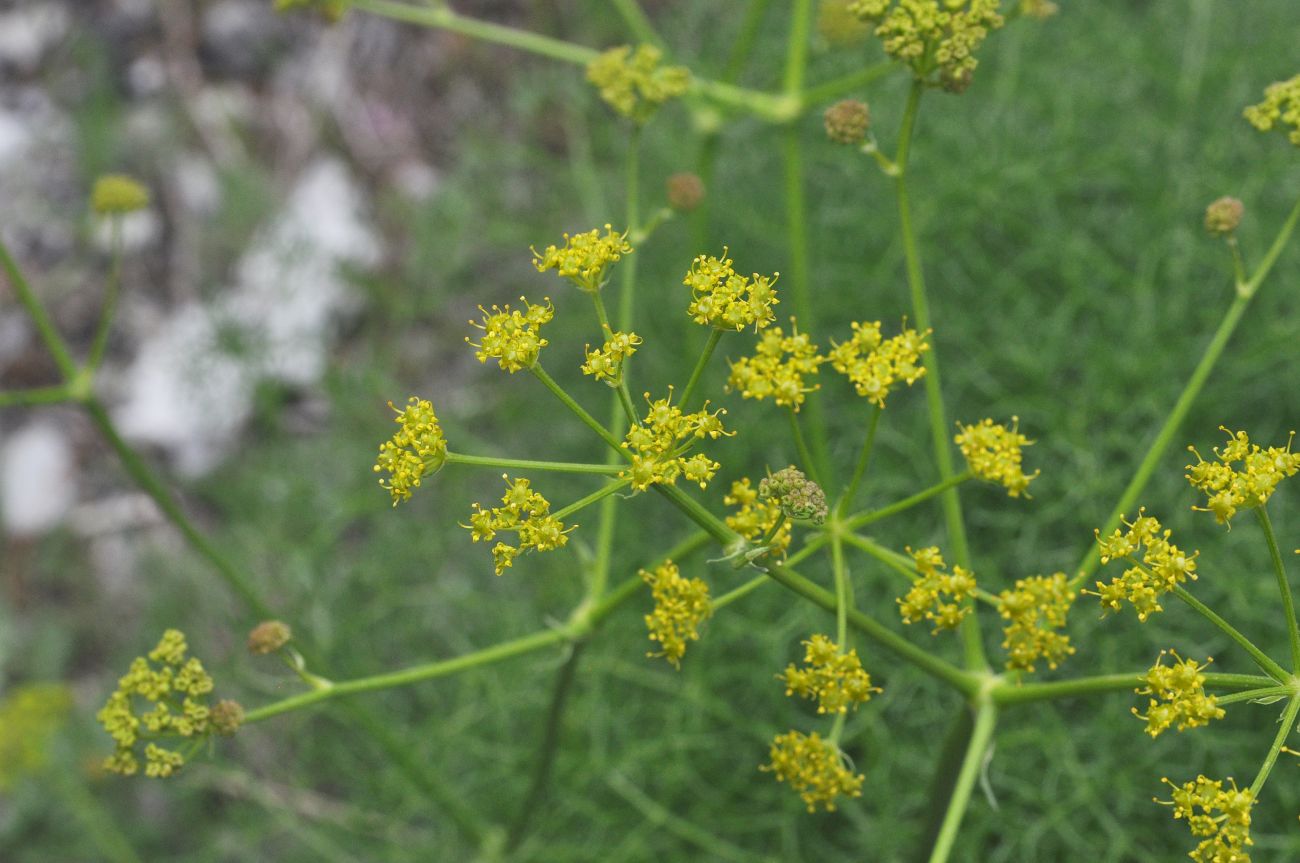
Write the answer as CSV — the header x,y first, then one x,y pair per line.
x,y
1283,731
44,326
939,430
1283,586
599,494
1253,694
864,461
819,94
864,518
715,335
986,719
111,290
796,46
523,464
1263,660
35,396
637,21
578,410
843,594
1008,693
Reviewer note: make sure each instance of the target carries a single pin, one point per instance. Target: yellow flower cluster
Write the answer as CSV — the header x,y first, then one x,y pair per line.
x,y
176,690
117,193
814,767
1228,488
1220,814
1162,567
937,596
416,450
933,35
835,679
633,83
993,453
722,298
777,368
585,257
29,717
756,517
511,336
606,362
1281,104
838,25
681,605
1035,610
524,511
874,364
1179,696
660,440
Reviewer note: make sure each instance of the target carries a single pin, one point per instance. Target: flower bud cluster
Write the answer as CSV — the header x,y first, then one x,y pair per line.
x,y
1229,488
937,596
726,300
1163,566
798,497
834,679
523,511
268,637
1179,697
1223,215
814,768
511,336
176,689
1035,610
606,362
585,258
756,518
685,191
681,605
660,440
633,83
1281,105
416,450
933,37
847,121
993,453
778,368
874,364
1220,814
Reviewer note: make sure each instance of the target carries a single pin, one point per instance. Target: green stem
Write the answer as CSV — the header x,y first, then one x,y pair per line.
x,y
111,291
743,45
1270,257
1007,694
740,592
862,519
1266,663
637,21
1288,724
599,494
415,674
44,326
801,445
864,461
986,718
836,87
624,397
523,464
632,187
696,512
939,430
843,594
35,396
1252,694
1283,586
715,335
796,46
904,565
98,824
587,419
149,482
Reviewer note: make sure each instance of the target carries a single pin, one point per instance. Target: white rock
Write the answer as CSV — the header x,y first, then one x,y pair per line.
x,y
37,480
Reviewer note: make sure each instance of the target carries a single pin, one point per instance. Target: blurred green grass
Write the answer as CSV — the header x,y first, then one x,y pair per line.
x,y
1059,206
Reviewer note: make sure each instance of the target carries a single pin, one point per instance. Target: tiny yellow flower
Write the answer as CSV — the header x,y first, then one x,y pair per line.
x,y
118,193
606,362
834,679
1229,488
633,83
874,364
940,597
938,40
1179,697
681,605
1163,565
756,517
993,453
814,768
523,511
1281,105
415,450
584,258
724,299
659,443
1035,610
1222,815
510,336
778,368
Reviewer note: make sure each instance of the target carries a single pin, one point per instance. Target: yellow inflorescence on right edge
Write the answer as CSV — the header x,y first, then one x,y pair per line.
x,y
1281,105
681,605
814,768
1222,815
1035,610
993,453
1229,488
1163,565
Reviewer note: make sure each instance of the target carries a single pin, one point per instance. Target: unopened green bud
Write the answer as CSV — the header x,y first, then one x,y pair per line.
x,y
799,497
1223,216
268,637
847,121
226,717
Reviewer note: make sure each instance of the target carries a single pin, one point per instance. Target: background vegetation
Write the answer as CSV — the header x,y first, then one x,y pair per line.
x,y
1059,205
